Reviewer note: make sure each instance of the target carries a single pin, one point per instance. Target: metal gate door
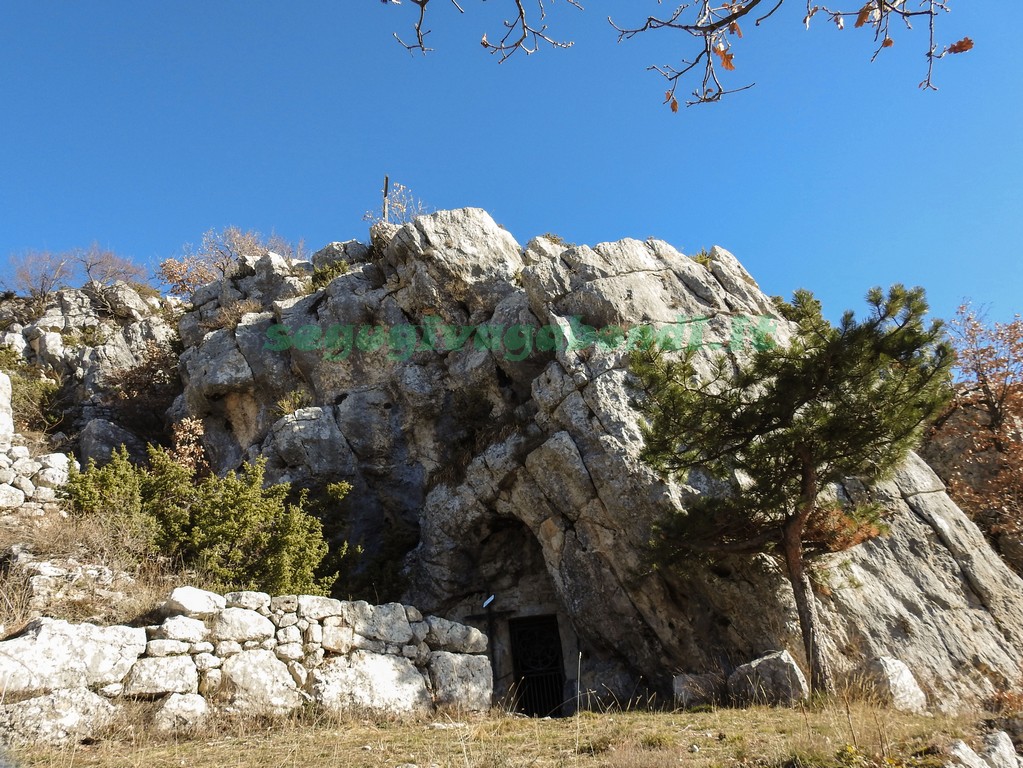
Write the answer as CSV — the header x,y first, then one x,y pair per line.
x,y
537,662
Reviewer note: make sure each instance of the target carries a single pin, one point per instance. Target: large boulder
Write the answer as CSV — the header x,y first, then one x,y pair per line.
x,y
193,602
370,681
180,712
258,682
155,676
892,682
771,679
53,654
61,717
461,682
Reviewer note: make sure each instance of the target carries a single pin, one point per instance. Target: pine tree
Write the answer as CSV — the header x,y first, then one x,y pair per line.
x,y
836,402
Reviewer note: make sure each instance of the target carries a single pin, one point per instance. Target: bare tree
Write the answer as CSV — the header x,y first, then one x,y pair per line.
x,y
106,267
37,274
714,26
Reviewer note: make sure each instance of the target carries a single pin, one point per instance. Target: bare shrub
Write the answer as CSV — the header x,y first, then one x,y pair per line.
x,y
104,266
216,256
399,205
142,393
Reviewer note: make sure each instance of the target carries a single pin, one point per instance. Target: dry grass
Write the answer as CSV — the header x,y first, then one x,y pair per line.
x,y
230,315
764,737
91,541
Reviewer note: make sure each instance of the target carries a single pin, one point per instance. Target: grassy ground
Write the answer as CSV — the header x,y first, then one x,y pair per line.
x,y
828,736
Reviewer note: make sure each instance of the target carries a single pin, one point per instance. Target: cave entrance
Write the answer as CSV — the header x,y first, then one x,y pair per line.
x,y
537,662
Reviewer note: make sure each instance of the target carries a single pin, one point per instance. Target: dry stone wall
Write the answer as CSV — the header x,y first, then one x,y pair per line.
x,y
244,652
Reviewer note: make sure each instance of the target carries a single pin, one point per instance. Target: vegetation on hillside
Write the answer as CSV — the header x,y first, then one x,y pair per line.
x,y
978,442
242,533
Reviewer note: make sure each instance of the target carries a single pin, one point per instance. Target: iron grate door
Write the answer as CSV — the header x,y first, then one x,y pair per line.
x,y
538,667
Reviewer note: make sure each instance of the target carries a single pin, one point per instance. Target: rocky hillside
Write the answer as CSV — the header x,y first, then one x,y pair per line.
x,y
475,393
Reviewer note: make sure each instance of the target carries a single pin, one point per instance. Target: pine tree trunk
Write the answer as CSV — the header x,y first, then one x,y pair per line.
x,y
820,671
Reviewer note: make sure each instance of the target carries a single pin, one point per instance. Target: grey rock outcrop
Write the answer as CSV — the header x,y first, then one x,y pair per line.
x,y
477,393
371,681
998,751
87,339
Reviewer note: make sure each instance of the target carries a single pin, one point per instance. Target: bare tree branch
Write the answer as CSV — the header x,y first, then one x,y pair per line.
x,y
715,23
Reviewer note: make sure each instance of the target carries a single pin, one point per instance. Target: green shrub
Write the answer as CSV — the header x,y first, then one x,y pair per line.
x,y
88,336
702,258
249,537
326,273
242,534
114,492
291,402
34,395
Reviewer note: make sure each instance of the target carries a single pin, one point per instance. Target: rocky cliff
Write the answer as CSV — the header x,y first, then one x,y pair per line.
x,y
475,393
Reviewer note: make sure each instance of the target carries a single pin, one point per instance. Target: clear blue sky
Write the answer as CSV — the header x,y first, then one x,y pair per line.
x,y
140,125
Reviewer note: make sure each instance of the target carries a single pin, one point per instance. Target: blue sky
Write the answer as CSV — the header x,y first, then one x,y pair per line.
x,y
141,125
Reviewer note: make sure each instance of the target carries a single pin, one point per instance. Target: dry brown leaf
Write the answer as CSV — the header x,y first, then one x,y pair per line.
x,y
961,47
726,58
864,15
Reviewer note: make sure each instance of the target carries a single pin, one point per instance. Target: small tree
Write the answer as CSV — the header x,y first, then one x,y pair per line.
x,y
836,402
399,205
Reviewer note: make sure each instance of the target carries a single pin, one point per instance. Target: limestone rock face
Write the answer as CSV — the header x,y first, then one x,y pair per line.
x,y
476,393
931,593
100,438
370,681
697,690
